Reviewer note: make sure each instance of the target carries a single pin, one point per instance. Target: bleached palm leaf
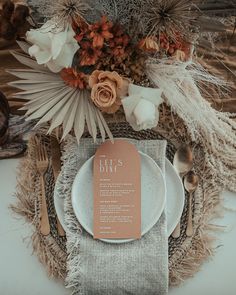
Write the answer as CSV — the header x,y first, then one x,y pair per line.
x,y
49,99
24,46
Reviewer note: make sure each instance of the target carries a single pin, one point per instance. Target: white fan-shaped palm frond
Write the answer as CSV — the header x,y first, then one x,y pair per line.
x,y
49,99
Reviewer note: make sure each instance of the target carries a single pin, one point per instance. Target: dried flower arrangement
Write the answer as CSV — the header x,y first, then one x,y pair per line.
x,y
94,59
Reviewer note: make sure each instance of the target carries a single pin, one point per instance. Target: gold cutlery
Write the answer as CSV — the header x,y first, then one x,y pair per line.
x,y
42,166
183,163
56,167
191,181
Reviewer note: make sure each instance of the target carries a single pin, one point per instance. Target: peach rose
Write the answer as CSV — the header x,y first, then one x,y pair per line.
x,y
107,90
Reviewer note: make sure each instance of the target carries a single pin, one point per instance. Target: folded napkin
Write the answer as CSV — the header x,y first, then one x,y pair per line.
x,y
94,267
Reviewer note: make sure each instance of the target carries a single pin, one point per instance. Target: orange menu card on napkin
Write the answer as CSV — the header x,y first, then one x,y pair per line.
x,y
117,191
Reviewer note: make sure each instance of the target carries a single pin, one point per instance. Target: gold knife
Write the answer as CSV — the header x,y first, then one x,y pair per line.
x,y
56,167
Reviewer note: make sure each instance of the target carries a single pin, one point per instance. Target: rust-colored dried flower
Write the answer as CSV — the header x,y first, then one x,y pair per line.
x,y
119,43
89,55
101,31
74,79
81,31
174,44
186,48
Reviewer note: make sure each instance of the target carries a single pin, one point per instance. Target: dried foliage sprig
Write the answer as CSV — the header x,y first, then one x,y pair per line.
x,y
180,84
71,10
167,16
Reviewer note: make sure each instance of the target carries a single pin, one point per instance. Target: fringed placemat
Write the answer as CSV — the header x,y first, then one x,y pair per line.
x,y
51,249
186,254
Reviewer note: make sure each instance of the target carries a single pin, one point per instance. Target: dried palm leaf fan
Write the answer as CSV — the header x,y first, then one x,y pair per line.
x,y
56,101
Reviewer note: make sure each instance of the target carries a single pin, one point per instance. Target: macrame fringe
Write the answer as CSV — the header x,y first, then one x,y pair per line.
x,y
74,230
190,256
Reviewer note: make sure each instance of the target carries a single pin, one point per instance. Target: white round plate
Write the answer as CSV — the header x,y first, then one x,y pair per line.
x,y
174,196
153,196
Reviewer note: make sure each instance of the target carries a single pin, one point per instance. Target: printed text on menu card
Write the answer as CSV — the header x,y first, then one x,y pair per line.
x,y
117,191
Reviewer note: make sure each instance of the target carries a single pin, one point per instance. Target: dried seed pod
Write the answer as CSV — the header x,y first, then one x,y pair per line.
x,y
3,125
4,118
3,139
133,67
7,30
13,21
7,9
4,106
19,16
21,31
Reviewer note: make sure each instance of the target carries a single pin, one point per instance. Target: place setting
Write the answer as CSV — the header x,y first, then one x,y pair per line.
x,y
168,189
125,156
167,197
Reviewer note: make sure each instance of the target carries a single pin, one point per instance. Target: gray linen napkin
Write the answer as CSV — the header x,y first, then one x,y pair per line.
x,y
94,267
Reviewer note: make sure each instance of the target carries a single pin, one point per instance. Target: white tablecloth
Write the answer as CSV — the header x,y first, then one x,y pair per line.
x,y
21,273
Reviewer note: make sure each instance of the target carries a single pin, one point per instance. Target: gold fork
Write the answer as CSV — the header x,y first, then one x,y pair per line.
x,y
42,166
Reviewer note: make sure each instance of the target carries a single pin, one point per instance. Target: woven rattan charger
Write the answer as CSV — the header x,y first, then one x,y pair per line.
x,y
186,254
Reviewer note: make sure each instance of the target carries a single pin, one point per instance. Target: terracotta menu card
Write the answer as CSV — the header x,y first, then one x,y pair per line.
x,y
117,191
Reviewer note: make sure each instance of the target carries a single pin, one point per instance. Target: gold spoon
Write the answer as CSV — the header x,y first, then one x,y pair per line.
x,y
183,163
191,181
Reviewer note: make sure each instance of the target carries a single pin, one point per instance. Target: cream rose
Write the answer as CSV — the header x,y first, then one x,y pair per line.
x,y
53,46
107,89
141,107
